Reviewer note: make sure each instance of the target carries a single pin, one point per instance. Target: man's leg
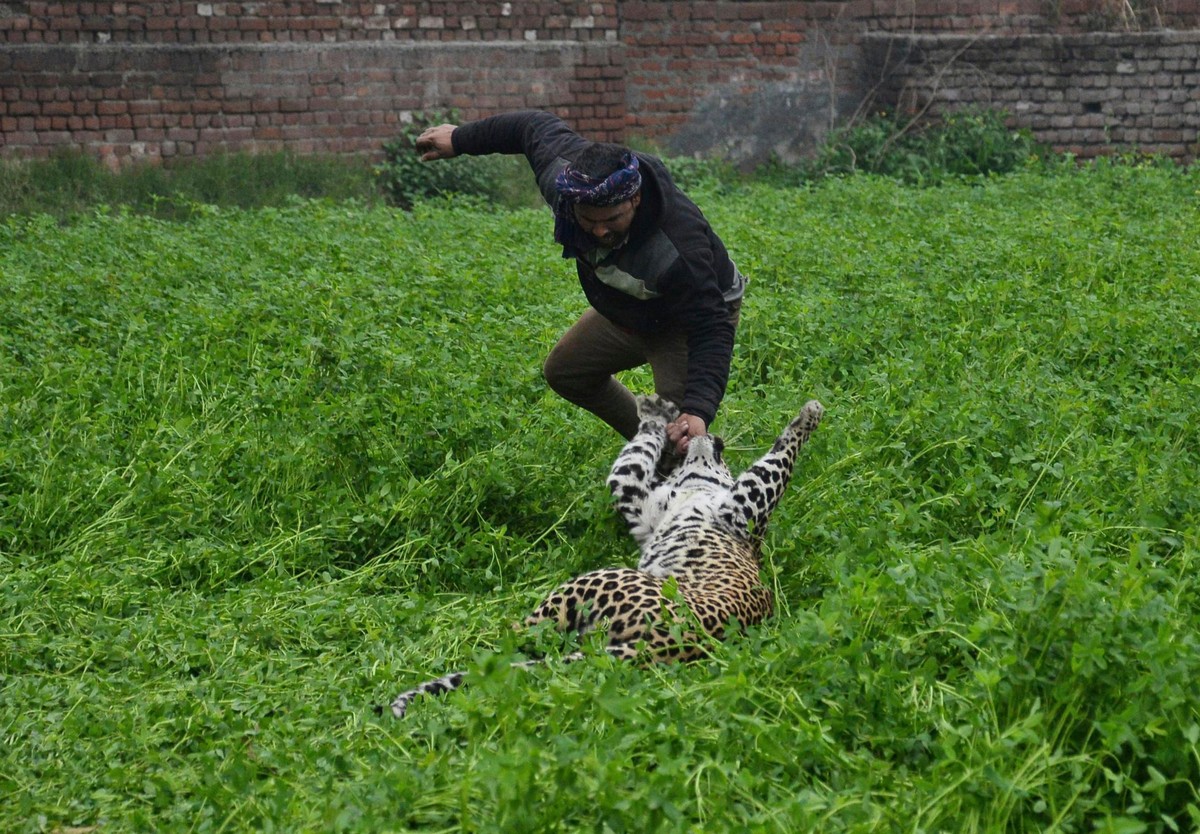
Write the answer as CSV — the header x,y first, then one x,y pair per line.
x,y
580,369
667,355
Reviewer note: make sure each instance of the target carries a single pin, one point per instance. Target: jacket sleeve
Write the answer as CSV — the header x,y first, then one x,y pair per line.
x,y
710,334
545,139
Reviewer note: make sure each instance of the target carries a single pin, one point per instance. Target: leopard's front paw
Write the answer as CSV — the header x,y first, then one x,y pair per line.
x,y
656,409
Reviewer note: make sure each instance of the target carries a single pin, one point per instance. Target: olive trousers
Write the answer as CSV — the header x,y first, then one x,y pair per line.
x,y
581,367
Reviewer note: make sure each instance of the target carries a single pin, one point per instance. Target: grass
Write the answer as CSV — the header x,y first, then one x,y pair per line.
x,y
260,469
71,183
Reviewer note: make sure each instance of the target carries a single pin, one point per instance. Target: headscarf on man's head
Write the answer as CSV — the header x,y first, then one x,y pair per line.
x,y
576,188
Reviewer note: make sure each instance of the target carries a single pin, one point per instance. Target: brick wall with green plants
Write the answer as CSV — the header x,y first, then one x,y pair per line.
x,y
1087,94
261,468
133,81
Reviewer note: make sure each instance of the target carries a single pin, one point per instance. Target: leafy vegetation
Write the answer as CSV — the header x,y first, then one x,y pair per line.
x,y
263,468
71,183
405,179
966,143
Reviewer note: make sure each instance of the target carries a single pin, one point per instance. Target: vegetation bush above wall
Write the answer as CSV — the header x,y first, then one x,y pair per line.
x,y
966,143
261,469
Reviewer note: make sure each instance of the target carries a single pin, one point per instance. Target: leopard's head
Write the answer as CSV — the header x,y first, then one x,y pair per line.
x,y
704,459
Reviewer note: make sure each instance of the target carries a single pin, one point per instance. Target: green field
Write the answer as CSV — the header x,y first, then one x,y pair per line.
x,y
261,469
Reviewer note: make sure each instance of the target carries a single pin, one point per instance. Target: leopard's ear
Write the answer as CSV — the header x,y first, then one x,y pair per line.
x,y
718,445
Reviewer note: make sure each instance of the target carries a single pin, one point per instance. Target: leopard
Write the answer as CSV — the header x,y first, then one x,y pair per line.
x,y
699,532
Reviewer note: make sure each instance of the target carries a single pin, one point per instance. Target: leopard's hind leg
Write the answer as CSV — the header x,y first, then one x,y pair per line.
x,y
757,491
621,600
616,599
638,619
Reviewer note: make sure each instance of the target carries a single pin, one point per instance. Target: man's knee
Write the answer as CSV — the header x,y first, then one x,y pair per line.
x,y
569,378
557,372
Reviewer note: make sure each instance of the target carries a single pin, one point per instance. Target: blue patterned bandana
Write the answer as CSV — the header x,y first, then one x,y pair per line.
x,y
574,187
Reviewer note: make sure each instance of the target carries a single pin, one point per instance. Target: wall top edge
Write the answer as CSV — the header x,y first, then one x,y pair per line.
x,y
310,46
1155,36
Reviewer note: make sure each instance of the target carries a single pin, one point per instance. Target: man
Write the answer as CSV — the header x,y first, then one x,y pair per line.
x,y
662,288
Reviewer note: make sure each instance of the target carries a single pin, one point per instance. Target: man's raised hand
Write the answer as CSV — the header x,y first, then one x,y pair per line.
x,y
434,143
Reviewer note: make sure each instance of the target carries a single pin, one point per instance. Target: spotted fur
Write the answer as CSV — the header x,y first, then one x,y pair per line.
x,y
699,530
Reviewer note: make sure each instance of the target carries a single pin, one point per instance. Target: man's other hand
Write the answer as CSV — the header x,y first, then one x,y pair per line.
x,y
685,427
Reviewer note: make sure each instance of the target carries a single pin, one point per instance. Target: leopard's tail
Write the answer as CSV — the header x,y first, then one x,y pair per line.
x,y
451,682
437,686
457,680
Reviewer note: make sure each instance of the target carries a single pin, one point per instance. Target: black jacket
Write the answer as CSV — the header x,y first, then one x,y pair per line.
x,y
673,272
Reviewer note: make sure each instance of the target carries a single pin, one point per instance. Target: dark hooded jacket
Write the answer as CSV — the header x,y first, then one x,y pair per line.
x,y
672,272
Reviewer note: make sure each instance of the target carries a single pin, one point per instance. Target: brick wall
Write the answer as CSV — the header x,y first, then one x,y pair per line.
x,y
155,80
743,78
327,21
158,100
1088,93
749,79
1020,17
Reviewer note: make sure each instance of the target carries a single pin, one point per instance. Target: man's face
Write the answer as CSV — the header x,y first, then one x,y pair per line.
x,y
608,224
